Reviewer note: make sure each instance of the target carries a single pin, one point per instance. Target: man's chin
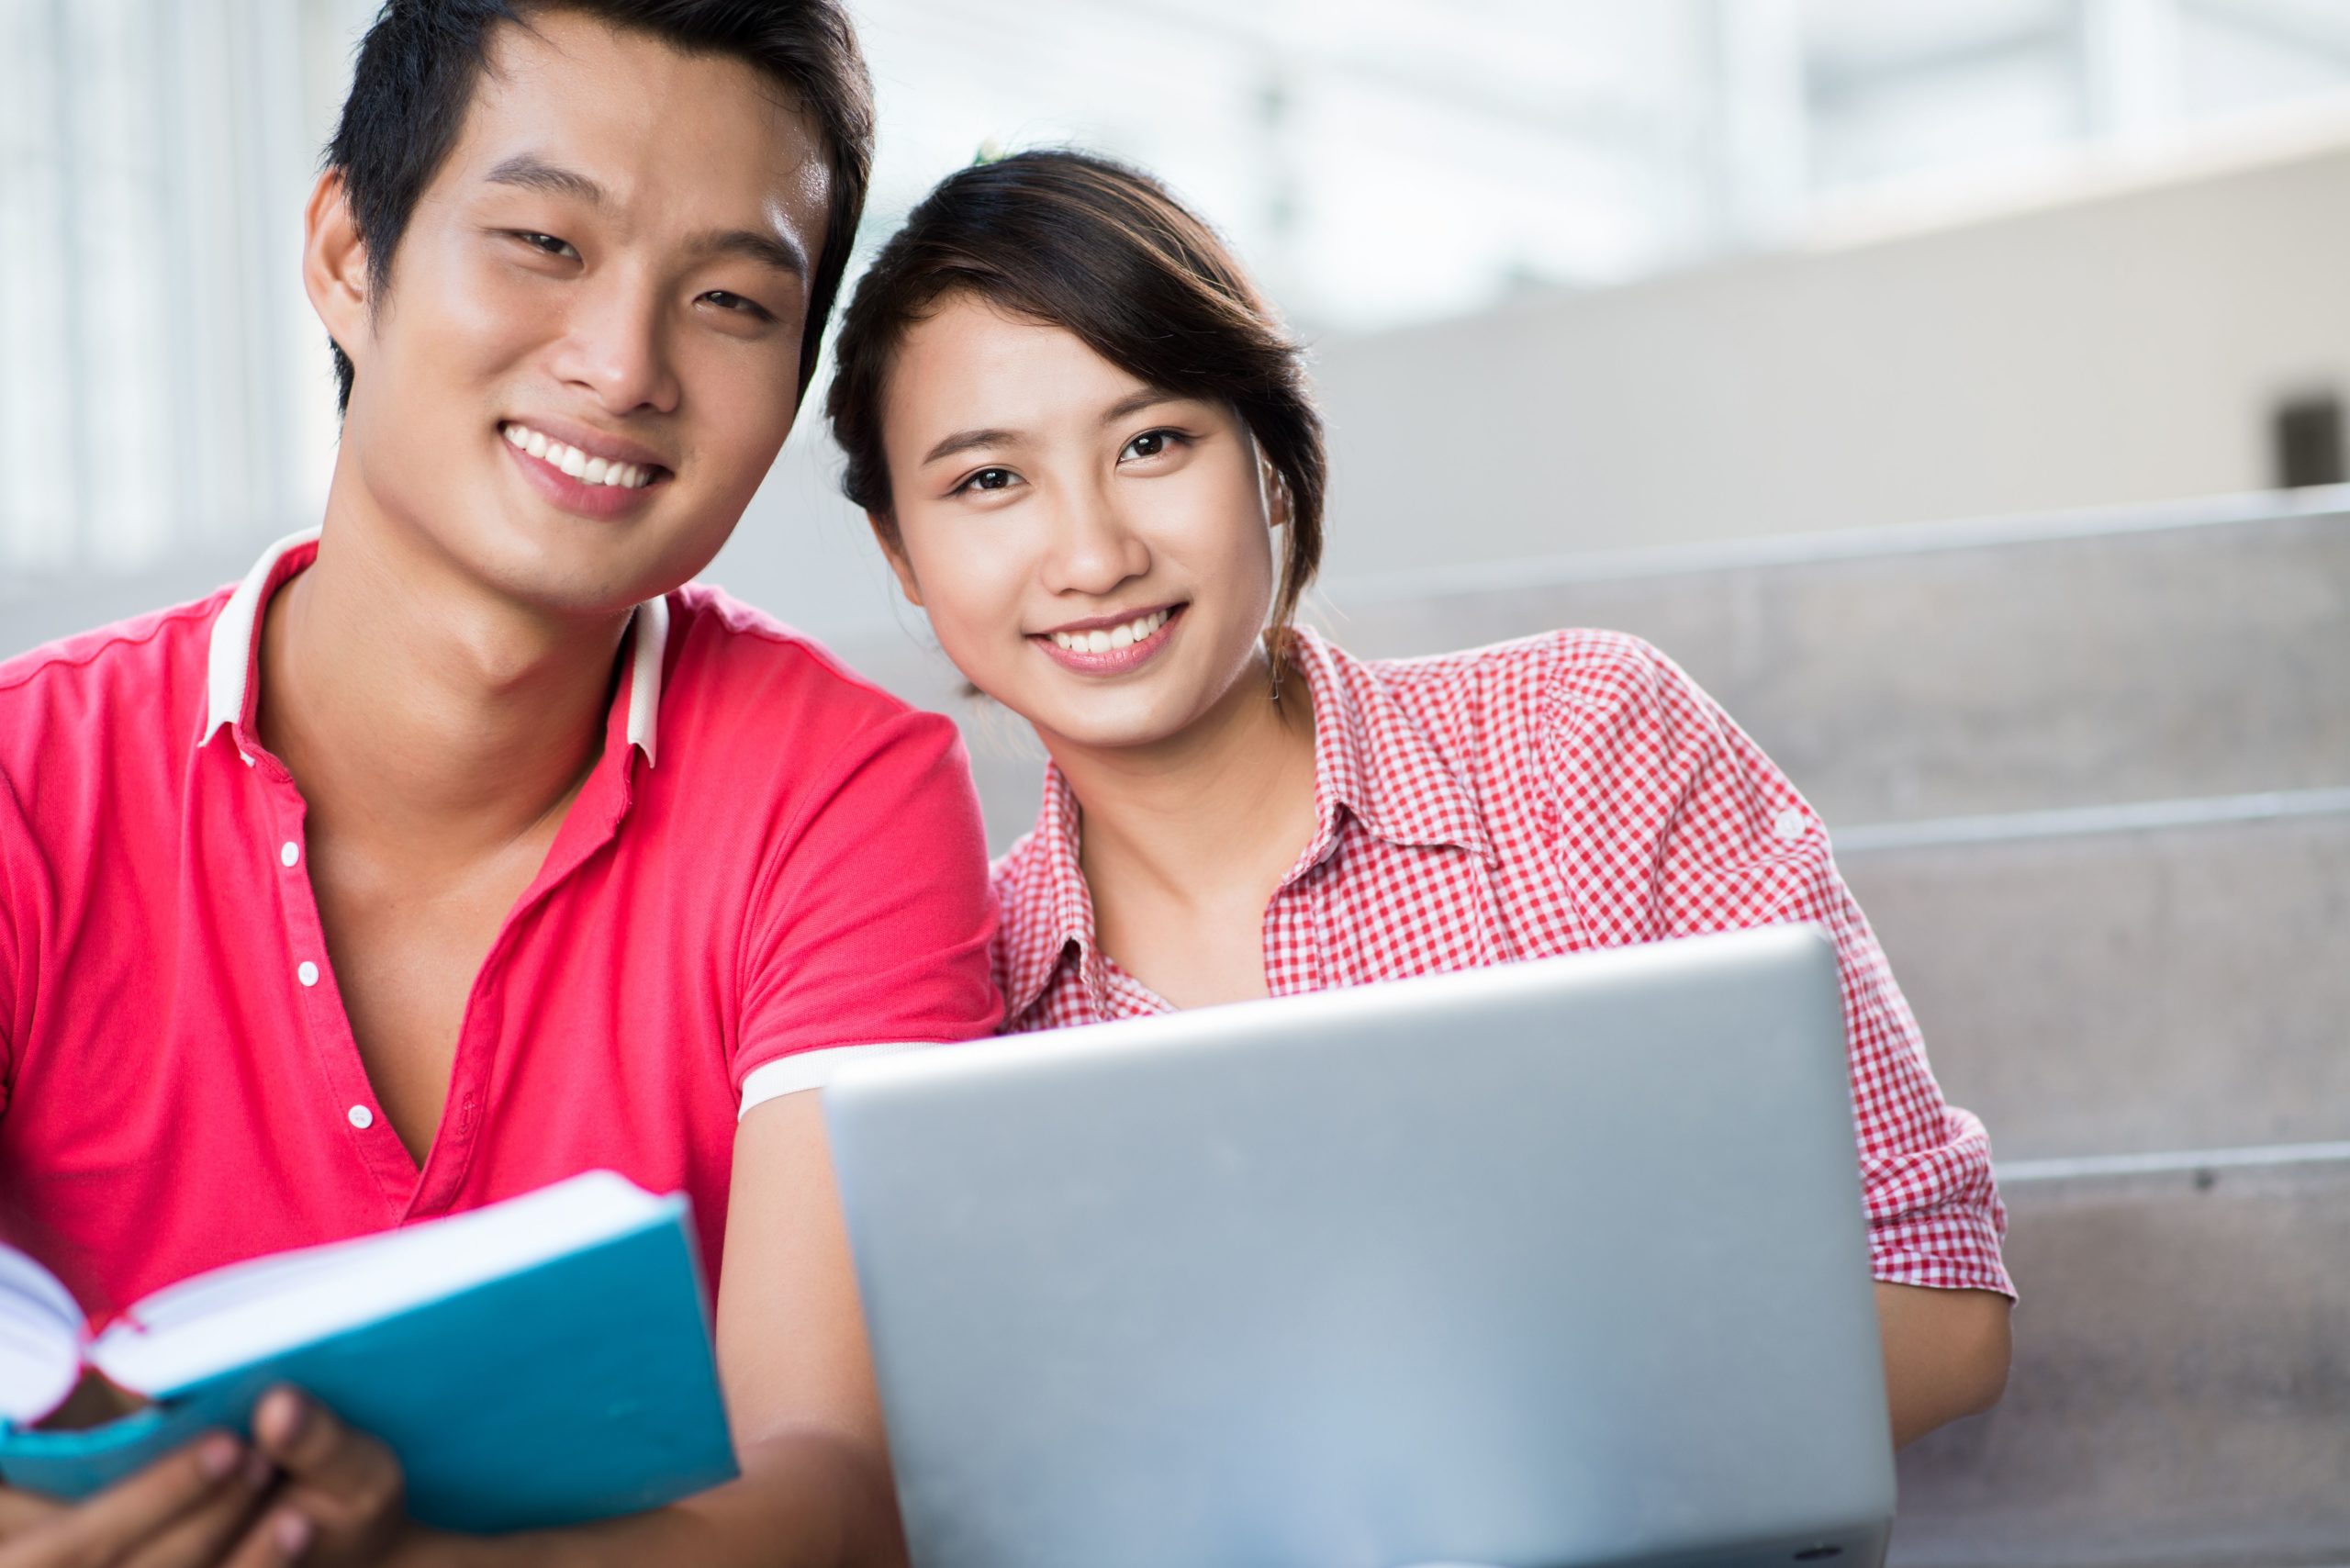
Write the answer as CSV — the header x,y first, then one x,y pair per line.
x,y
563,577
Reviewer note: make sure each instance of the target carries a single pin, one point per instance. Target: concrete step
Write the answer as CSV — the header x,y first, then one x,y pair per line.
x,y
1908,674
2180,1395
1925,672
2125,981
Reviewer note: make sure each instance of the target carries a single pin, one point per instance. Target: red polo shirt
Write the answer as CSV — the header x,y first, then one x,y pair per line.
x,y
773,865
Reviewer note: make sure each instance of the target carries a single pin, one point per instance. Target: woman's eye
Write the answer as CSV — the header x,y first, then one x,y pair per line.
x,y
548,244
987,479
1150,443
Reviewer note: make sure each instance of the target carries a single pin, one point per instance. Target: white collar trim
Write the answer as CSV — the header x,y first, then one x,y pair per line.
x,y
644,675
229,667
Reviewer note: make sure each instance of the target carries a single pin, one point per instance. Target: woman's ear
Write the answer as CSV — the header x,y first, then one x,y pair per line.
x,y
334,264
1277,503
885,534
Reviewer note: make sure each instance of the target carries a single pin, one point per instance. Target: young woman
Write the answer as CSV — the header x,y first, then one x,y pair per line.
x,y
1087,447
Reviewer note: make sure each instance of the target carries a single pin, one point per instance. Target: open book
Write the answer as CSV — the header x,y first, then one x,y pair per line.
x,y
541,1360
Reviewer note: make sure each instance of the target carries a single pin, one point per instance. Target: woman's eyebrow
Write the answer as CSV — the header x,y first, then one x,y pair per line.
x,y
1135,402
964,441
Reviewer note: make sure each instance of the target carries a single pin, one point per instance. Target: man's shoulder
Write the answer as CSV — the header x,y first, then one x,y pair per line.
x,y
146,671
735,672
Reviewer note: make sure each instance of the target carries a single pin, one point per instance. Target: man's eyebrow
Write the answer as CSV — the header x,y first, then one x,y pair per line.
x,y
780,251
532,172
535,174
964,441
1135,402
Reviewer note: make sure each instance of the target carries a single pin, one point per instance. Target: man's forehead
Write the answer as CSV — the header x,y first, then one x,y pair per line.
x,y
569,88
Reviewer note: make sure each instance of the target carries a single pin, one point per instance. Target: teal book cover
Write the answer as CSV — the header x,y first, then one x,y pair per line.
x,y
576,1388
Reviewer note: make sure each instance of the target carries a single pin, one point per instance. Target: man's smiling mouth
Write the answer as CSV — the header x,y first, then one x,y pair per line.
x,y
578,465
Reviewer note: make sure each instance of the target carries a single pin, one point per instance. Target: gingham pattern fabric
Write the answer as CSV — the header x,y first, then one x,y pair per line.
x,y
1566,792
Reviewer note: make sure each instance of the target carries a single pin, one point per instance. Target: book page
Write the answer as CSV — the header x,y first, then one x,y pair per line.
x,y
40,1339
234,1315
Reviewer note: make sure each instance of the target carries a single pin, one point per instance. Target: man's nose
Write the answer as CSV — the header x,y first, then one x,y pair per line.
x,y
618,348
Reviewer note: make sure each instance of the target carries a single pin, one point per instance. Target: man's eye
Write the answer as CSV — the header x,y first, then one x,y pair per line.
x,y
549,243
726,301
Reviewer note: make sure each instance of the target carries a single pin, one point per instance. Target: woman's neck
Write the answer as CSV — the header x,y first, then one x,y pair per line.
x,y
1223,808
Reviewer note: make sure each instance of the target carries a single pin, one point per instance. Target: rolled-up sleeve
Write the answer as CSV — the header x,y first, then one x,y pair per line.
x,y
1706,835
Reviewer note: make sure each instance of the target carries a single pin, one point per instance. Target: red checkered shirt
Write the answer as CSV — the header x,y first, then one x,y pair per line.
x,y
1564,792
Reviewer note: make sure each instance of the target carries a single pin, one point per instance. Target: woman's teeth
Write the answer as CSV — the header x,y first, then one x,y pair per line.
x,y
1103,639
576,463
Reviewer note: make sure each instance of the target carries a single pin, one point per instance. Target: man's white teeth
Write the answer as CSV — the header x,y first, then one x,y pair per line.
x,y
577,464
1103,639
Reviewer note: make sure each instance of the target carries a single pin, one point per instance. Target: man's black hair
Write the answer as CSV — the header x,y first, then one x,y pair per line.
x,y
414,80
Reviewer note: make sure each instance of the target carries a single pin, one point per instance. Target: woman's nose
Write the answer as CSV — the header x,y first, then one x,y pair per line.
x,y
1096,550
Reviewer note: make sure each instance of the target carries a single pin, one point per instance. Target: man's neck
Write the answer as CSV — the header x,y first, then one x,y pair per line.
x,y
1226,805
420,714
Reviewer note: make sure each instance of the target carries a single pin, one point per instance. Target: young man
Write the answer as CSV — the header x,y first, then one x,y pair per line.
x,y
459,848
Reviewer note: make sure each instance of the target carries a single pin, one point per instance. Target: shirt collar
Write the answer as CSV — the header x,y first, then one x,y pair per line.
x,y
1056,907
1369,756
234,656
1372,756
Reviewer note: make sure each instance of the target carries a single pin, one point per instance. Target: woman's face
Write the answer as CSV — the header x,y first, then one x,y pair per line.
x,y
1094,553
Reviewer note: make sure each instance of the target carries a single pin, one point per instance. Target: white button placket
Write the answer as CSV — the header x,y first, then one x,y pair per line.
x,y
289,855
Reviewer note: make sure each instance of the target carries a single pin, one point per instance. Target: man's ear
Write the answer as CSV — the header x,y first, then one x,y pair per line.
x,y
334,264
885,534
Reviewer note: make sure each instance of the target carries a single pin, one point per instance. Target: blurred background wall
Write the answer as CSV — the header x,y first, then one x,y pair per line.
x,y
1953,386
1581,274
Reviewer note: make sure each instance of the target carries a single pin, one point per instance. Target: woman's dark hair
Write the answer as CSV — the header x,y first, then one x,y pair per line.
x,y
414,80
1106,252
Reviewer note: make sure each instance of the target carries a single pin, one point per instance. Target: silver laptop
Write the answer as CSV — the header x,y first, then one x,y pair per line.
x,y
1558,1263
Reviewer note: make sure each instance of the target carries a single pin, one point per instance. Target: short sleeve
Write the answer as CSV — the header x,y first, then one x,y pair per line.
x,y
1704,834
18,858
871,924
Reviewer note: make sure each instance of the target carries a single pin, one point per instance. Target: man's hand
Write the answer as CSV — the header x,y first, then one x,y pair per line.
x,y
308,1489
186,1510
341,1498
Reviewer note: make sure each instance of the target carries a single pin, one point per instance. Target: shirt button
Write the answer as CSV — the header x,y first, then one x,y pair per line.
x,y
308,972
361,1117
290,852
1790,824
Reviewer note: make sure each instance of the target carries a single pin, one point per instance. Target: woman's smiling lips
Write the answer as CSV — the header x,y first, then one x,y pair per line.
x,y
1107,645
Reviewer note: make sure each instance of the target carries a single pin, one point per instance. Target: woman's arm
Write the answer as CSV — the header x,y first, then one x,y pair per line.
x,y
815,1491
1945,1355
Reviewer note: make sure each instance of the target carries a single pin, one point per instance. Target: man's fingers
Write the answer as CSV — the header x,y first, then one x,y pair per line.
x,y
20,1511
341,1484
108,1526
320,1454
202,1536
280,1536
